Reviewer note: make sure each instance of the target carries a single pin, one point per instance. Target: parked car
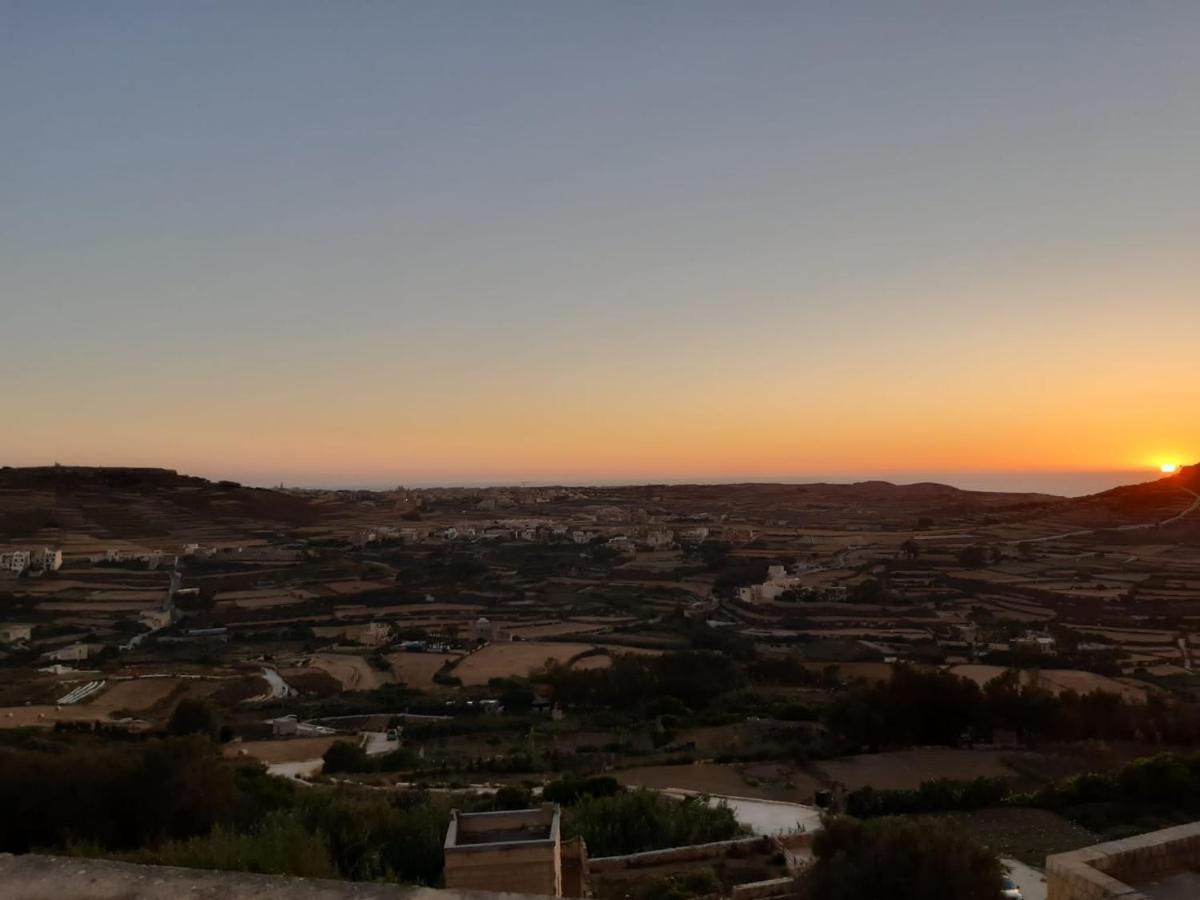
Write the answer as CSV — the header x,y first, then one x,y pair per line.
x,y
1010,891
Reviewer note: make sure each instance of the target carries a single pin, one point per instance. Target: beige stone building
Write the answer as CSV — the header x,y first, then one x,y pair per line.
x,y
519,851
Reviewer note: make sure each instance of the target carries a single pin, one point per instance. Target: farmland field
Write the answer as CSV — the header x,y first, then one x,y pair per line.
x,y
294,750
906,769
418,669
353,672
516,658
1056,680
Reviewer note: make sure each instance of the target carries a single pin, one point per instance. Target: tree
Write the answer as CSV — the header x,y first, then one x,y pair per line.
x,y
195,717
343,756
901,859
975,556
869,590
911,549
512,796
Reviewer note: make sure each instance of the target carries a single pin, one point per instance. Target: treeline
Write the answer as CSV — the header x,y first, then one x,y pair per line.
x,y
693,679
174,801
939,795
936,707
1141,795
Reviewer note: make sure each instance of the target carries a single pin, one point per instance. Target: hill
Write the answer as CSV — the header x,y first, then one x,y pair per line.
x,y
51,503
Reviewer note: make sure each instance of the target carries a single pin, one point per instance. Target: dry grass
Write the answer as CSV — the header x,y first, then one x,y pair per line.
x,y
418,669
1056,680
292,750
710,778
353,672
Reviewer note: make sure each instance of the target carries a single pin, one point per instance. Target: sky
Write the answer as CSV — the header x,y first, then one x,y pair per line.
x,y
472,242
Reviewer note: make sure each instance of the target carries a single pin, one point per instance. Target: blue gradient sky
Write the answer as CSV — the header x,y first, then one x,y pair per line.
x,y
442,241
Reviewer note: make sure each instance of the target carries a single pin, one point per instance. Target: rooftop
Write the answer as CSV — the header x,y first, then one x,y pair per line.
x,y
504,827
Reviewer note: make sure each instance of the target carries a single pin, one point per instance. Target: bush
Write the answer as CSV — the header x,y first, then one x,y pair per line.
x,y
118,798
175,801
640,820
344,756
512,796
195,717
569,791
915,860
279,845
697,883
940,795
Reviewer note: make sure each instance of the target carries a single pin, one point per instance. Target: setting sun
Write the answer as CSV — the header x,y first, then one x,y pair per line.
x,y
1169,468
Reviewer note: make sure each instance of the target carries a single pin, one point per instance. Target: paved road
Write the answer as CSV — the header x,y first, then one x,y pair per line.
x,y
305,768
1031,882
376,743
279,687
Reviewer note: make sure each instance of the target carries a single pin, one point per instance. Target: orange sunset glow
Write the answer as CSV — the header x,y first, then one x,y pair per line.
x,y
894,279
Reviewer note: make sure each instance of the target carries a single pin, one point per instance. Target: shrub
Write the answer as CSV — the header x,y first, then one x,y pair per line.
x,y
344,756
512,796
915,860
640,820
569,791
279,845
195,717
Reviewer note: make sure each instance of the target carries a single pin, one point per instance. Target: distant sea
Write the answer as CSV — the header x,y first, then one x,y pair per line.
x,y
1065,484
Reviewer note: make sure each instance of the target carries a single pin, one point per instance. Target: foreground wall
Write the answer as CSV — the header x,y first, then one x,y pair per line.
x,y
67,878
1104,871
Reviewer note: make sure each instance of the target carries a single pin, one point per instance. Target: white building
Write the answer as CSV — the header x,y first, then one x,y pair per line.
x,y
658,538
46,559
486,630
11,633
369,634
72,652
15,561
1032,642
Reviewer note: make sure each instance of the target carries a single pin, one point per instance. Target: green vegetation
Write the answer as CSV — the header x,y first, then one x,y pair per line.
x,y
348,757
639,820
691,678
940,795
569,791
935,707
695,883
916,860
175,801
195,717
1145,794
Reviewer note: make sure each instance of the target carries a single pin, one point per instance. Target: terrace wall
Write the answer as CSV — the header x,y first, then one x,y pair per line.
x,y
1104,871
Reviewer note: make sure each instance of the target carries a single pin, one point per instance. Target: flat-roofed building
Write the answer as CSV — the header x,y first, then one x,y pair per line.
x,y
513,850
12,632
